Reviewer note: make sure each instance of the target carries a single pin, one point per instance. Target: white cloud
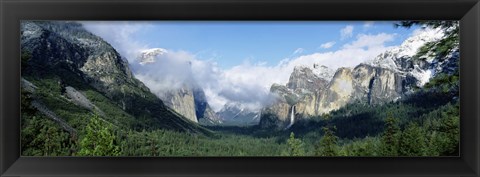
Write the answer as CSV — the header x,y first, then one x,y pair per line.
x,y
120,35
346,32
240,84
298,51
251,82
327,45
370,41
174,67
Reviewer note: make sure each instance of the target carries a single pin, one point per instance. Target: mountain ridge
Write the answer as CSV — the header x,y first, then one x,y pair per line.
x,y
385,78
80,59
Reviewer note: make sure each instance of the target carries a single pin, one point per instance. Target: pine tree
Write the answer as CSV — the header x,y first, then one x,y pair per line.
x,y
50,140
99,139
42,137
412,141
390,136
295,146
328,144
450,126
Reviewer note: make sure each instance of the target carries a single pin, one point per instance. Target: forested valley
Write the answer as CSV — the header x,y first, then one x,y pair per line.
x,y
126,120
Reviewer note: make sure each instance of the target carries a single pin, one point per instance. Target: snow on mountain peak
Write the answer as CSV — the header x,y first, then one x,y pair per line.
x,y
320,71
323,71
392,58
232,105
422,36
149,55
407,49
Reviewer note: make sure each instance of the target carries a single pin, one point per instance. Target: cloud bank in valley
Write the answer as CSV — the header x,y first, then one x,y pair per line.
x,y
246,83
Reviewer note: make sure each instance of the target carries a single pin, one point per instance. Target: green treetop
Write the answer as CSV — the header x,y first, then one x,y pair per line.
x,y
99,139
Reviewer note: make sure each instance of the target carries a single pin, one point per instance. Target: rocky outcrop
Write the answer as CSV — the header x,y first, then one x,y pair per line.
x,y
302,91
339,91
78,98
210,118
366,84
303,80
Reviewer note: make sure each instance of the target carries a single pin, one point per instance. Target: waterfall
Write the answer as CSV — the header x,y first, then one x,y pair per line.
x,y
292,118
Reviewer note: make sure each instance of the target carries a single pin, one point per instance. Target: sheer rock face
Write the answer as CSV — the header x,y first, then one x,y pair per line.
x,y
182,101
204,113
307,106
302,90
279,110
339,92
188,100
307,85
364,83
191,103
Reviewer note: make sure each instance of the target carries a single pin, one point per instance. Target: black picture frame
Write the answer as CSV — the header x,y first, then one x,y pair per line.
x,y
12,11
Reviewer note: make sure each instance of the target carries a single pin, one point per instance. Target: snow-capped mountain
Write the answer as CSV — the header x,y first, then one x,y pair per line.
x,y
237,114
399,59
150,55
308,79
323,71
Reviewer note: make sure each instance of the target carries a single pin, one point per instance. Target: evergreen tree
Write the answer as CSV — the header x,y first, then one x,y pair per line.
x,y
295,146
99,139
328,144
369,146
431,23
450,127
42,137
390,136
434,144
412,141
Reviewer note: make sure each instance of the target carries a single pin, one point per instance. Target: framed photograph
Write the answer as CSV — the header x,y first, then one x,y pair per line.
x,y
244,88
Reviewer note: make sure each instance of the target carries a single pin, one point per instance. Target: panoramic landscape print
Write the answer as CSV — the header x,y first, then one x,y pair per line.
x,y
258,88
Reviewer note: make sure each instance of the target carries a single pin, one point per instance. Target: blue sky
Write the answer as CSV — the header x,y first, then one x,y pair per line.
x,y
237,62
232,43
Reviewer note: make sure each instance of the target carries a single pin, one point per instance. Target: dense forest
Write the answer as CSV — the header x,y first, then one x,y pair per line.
x,y
423,123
